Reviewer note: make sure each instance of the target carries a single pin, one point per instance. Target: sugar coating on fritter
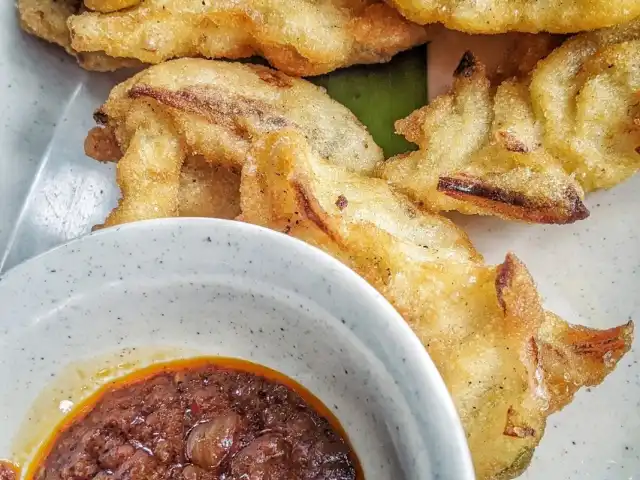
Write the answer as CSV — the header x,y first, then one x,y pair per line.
x,y
212,109
533,16
300,38
506,361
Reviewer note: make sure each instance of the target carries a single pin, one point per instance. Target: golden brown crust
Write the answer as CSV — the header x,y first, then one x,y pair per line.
x,y
482,152
586,97
533,16
514,204
208,190
506,361
300,38
107,6
47,19
531,149
216,106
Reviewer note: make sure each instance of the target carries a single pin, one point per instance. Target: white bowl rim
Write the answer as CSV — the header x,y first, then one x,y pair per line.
x,y
426,368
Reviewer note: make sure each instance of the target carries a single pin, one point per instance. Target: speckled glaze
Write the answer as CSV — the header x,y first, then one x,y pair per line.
x,y
213,287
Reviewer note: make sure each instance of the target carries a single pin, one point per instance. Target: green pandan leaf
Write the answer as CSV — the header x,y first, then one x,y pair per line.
x,y
381,94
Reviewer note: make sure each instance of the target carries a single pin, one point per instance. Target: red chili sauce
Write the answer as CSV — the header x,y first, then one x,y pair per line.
x,y
8,471
201,419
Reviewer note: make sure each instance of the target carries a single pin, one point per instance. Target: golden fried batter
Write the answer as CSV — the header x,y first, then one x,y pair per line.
x,y
529,150
506,361
47,19
195,107
208,190
587,95
299,37
533,16
185,127
481,152
107,6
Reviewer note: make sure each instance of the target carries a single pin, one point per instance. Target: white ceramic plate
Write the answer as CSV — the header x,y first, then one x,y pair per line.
x,y
127,297
588,272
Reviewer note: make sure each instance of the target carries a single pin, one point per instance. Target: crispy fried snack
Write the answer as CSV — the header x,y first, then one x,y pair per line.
x,y
207,189
194,107
47,19
108,6
481,152
587,95
529,149
299,37
506,361
533,16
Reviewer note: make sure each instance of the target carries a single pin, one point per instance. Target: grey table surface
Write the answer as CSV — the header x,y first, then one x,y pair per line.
x,y
49,191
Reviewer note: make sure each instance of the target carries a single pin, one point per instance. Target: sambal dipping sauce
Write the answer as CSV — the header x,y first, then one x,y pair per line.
x,y
201,419
8,471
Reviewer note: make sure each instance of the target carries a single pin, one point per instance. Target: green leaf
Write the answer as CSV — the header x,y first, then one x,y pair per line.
x,y
381,94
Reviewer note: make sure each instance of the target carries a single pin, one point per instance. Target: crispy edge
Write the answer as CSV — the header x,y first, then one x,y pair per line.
x,y
481,193
512,204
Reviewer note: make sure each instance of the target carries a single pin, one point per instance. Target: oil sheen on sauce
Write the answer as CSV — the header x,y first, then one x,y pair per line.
x,y
251,412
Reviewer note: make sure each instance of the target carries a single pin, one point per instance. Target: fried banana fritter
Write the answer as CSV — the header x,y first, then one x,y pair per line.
x,y
533,16
507,362
481,152
47,19
195,107
299,37
587,95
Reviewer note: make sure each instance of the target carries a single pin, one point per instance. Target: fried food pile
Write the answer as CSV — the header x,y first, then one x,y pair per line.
x,y
306,168
199,108
530,147
533,16
298,37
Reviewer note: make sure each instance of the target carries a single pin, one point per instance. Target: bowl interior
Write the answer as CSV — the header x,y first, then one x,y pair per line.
x,y
124,298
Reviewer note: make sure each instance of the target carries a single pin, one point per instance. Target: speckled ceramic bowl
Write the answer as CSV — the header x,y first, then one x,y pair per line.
x,y
124,298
